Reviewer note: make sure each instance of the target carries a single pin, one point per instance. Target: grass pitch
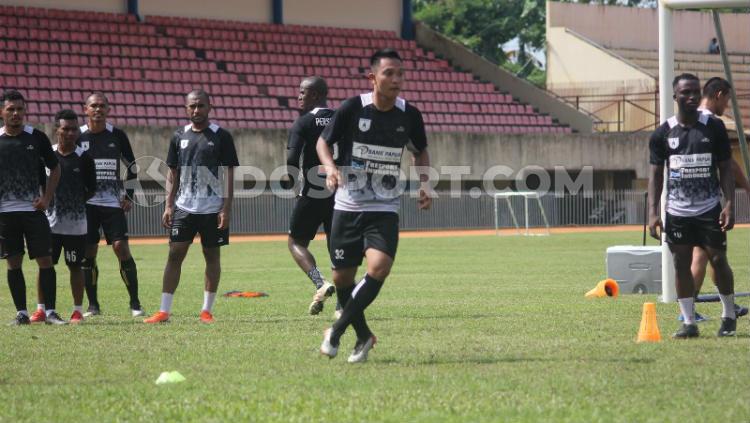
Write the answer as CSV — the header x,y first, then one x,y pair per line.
x,y
470,329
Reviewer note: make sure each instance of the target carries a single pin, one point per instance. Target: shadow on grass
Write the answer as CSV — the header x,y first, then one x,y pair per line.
x,y
431,361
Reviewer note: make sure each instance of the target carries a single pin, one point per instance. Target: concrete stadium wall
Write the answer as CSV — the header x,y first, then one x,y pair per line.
x,y
638,28
569,59
110,6
266,150
382,15
235,10
506,81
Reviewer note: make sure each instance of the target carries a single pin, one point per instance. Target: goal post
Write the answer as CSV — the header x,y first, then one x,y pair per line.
x,y
666,104
530,199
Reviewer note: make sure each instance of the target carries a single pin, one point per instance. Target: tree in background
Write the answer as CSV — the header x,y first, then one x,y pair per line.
x,y
485,25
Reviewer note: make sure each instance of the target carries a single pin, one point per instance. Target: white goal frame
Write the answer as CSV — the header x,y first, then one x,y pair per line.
x,y
526,196
666,104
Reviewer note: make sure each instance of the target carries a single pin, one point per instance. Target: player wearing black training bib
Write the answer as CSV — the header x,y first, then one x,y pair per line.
x,y
108,146
200,186
22,149
314,206
371,131
67,213
693,146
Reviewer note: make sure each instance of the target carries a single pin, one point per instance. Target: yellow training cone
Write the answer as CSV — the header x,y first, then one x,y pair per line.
x,y
605,288
649,330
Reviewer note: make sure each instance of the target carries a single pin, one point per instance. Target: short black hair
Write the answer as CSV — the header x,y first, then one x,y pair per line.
x,y
12,95
684,77
383,54
199,93
65,114
97,94
317,85
714,86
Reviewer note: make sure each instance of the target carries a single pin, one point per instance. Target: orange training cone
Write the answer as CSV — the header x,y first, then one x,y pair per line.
x,y
605,288
649,330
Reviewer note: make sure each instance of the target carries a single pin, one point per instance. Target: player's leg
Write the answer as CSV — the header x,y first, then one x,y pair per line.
x,y
11,249
327,219
698,268
75,248
181,234
115,227
40,315
89,267
681,238
39,243
212,239
725,285
303,227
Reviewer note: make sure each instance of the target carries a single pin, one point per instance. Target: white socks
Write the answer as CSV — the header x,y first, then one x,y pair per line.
x,y
166,302
49,311
687,308
727,306
41,307
208,300
78,308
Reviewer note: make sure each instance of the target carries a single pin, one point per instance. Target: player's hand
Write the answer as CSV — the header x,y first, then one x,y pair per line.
x,y
126,204
654,222
726,219
333,179
40,203
166,218
223,219
425,199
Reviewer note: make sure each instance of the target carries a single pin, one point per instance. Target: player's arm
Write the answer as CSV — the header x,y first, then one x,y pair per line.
x,y
294,148
723,156
230,160
128,158
333,176
89,176
50,161
173,181
740,180
726,178
226,210
421,159
658,156
332,134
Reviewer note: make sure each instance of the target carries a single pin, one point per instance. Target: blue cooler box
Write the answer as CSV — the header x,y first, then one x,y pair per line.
x,y
636,269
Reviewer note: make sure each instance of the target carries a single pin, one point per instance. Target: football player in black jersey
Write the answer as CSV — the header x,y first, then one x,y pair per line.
x,y
22,149
108,146
716,95
200,187
371,131
694,146
67,213
314,204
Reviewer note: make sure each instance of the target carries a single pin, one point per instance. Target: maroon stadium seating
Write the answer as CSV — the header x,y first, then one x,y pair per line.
x,y
252,70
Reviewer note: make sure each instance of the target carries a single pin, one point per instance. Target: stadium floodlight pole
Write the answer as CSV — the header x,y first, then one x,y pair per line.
x,y
666,105
735,106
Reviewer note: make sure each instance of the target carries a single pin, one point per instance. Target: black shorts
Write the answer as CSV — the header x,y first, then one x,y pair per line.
x,y
308,215
701,230
111,220
74,246
352,233
185,225
30,225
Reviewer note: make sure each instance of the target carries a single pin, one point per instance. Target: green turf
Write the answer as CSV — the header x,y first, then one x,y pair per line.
x,y
470,329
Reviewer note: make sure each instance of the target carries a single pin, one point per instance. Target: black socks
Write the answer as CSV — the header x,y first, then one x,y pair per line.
x,y
362,295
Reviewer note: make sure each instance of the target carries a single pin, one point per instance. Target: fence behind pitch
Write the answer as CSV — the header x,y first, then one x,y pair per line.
x,y
267,213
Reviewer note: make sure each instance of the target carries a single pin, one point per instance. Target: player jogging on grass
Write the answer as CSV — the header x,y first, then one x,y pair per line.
x,y
694,146
371,131
314,204
200,187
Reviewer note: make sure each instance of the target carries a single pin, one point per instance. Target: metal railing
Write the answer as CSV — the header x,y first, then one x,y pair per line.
x,y
267,213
